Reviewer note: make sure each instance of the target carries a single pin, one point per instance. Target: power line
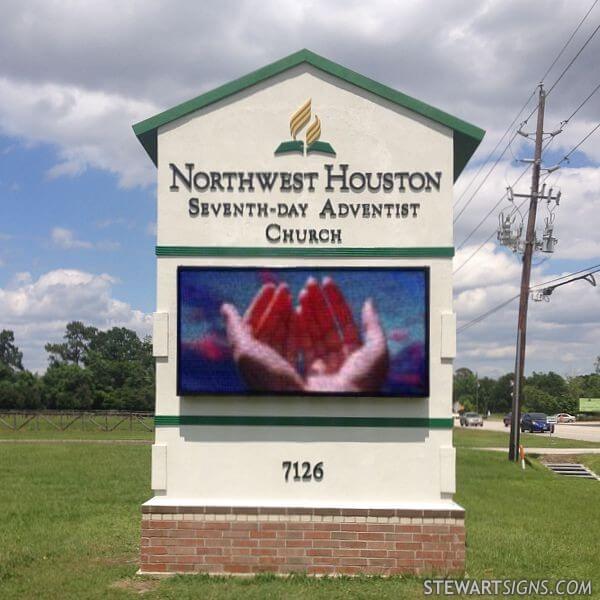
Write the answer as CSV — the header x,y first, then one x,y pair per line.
x,y
486,315
587,41
486,240
488,158
473,231
581,105
566,157
500,306
569,40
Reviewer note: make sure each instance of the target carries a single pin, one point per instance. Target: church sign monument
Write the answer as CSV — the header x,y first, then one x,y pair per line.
x,y
304,333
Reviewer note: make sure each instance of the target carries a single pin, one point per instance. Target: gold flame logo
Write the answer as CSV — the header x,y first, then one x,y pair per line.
x,y
300,118
298,121
313,133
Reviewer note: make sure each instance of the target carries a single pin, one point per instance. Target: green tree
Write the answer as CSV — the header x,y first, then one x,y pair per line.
x,y
465,384
501,398
78,338
537,400
554,385
123,370
10,355
67,386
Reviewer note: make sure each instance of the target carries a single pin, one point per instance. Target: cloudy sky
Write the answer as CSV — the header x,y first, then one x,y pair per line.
x,y
77,213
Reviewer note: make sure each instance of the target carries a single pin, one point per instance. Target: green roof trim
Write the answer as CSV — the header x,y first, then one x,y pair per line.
x,y
466,136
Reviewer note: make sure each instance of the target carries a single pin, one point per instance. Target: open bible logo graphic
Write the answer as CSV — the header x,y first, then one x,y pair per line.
x,y
298,121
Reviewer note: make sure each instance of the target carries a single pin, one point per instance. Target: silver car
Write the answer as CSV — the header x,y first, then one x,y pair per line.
x,y
471,419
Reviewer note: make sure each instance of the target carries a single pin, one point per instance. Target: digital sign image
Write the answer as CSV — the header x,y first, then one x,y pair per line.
x,y
318,331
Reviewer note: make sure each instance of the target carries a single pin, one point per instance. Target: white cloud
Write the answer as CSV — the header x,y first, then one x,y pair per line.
x,y
89,128
65,238
562,333
38,310
73,76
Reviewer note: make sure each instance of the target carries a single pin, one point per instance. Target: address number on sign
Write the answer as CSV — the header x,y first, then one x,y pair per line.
x,y
302,471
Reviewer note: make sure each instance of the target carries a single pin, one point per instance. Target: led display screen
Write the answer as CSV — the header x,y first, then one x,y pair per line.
x,y
318,331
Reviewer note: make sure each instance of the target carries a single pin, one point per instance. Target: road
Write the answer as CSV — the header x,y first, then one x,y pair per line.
x,y
588,431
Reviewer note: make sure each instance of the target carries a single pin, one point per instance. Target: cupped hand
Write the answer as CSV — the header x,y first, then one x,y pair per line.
x,y
273,339
263,342
336,358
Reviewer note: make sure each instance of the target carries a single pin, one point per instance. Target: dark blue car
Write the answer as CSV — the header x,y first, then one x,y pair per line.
x,y
536,422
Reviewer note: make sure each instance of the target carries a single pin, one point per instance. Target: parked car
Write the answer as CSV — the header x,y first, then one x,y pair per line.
x,y
564,418
536,422
471,419
507,419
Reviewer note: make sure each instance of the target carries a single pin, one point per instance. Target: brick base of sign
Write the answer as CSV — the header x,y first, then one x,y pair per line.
x,y
234,540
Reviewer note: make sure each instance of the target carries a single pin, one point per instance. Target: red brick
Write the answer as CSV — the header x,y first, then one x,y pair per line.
x,y
159,524
352,544
328,526
262,534
321,535
371,536
330,543
349,535
243,526
408,528
382,562
437,529
243,543
352,526
298,543
426,537
269,525
352,561
319,552
180,550
239,568
263,551
380,527
381,545
301,525
405,546
428,554
373,553
240,533
290,535
402,554
270,543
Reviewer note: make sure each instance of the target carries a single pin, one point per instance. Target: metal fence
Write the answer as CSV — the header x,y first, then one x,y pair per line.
x,y
37,420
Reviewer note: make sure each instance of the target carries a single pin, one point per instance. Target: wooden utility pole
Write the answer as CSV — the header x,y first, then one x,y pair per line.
x,y
530,239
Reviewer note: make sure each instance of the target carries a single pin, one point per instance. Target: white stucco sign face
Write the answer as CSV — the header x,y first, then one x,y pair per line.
x,y
382,176
304,331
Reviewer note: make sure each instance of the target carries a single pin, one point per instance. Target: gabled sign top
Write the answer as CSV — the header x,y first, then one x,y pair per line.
x,y
466,136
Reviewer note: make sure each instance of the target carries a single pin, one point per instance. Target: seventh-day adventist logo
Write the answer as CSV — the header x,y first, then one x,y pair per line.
x,y
312,144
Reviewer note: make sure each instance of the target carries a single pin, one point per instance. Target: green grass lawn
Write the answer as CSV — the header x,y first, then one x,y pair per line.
x,y
465,437
71,519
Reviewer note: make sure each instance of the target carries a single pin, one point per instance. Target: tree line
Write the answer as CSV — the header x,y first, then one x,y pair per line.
x,y
89,370
549,393
114,370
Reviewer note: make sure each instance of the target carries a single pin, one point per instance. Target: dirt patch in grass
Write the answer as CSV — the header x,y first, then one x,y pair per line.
x,y
138,585
560,458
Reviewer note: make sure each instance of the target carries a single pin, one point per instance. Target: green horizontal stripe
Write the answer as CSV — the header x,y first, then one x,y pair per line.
x,y
220,420
256,252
